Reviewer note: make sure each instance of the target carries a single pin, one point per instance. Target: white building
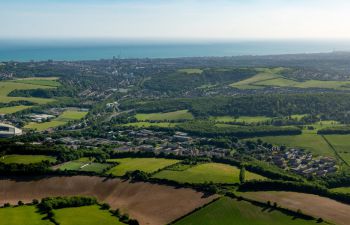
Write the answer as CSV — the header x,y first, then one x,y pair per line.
x,y
7,130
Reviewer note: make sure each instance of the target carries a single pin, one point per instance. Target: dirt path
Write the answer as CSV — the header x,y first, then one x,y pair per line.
x,y
148,203
319,207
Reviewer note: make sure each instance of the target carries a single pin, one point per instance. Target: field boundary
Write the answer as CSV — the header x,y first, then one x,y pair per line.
x,y
335,151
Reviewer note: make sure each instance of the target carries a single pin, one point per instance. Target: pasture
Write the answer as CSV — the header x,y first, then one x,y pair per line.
x,y
64,118
148,203
345,190
191,71
148,124
227,211
22,215
273,78
44,81
169,116
84,164
341,144
241,119
207,172
26,159
311,142
314,205
148,165
14,109
85,215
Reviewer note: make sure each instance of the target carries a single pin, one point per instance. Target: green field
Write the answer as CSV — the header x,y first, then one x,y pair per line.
x,y
170,116
7,87
226,211
341,144
13,109
22,215
207,172
148,124
345,190
148,165
64,118
273,78
44,81
191,71
84,164
85,215
311,142
26,159
241,119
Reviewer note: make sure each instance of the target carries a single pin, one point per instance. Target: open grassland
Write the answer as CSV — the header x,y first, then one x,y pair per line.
x,y
207,172
14,109
177,115
227,211
148,165
148,124
273,78
314,205
311,142
64,118
341,144
86,215
26,159
345,190
148,203
241,119
44,81
191,71
22,215
84,166
7,87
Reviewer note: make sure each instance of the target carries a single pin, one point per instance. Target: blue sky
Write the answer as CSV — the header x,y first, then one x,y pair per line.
x,y
175,19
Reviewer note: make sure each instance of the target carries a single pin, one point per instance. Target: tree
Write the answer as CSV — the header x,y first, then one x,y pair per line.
x,y
105,206
242,175
20,203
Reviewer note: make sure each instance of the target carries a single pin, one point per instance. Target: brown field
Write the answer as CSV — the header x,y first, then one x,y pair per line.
x,y
314,205
148,203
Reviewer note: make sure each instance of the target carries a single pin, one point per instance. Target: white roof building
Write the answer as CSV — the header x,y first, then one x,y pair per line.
x,y
7,130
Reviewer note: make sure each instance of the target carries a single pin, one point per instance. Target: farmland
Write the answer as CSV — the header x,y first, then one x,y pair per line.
x,y
207,172
314,205
84,165
86,215
225,210
241,119
148,165
43,81
341,190
26,159
148,203
190,71
311,142
27,215
341,144
169,116
13,109
273,78
64,118
148,124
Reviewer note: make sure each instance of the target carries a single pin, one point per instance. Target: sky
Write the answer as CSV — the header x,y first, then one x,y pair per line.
x,y
175,19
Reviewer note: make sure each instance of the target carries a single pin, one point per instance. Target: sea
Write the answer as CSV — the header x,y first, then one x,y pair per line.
x,y
75,49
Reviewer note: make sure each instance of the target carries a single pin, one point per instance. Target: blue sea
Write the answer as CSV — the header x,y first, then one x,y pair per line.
x,y
39,50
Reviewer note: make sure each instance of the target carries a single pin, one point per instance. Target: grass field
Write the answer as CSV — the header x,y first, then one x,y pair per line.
x,y
7,87
341,144
241,119
23,215
345,190
13,109
311,142
273,78
148,165
44,81
177,115
26,159
84,164
191,71
85,215
148,124
207,172
65,117
226,211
